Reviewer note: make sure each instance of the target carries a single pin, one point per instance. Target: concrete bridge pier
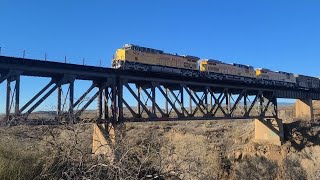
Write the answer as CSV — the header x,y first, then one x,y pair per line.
x,y
269,131
304,109
107,140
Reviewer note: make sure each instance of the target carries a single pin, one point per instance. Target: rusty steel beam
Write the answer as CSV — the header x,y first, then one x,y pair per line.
x,y
84,95
119,84
179,100
8,97
59,105
17,95
152,97
106,96
79,112
165,95
41,100
100,103
194,100
138,100
37,96
71,97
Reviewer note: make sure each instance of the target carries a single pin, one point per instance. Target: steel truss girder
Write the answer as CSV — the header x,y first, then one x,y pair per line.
x,y
107,92
168,100
57,83
151,95
111,102
178,98
140,103
102,95
222,98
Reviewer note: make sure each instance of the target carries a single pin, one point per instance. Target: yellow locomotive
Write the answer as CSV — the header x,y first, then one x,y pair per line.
x,y
275,77
138,58
215,69
133,57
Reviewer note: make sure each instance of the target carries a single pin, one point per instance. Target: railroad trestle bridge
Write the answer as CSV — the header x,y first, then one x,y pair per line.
x,y
132,96
156,97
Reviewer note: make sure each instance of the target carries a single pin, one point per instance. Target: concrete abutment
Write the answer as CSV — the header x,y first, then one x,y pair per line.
x,y
269,131
304,109
107,140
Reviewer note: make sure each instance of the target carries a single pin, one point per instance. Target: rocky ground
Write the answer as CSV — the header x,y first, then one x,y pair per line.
x,y
165,150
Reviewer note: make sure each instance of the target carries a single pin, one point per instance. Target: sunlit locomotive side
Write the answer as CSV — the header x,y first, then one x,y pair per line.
x,y
269,77
215,69
138,58
133,57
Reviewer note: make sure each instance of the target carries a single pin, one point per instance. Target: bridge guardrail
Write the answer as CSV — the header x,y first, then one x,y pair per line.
x,y
44,56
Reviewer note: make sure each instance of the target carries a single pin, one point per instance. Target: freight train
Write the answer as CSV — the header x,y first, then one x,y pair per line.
x,y
138,58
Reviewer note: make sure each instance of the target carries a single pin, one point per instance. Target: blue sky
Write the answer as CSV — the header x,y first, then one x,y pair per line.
x,y
280,35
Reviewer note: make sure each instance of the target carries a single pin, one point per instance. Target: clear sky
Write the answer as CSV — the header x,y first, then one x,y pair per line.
x,y
276,34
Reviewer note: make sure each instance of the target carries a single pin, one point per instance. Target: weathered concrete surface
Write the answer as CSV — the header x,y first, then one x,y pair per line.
x,y
304,109
107,140
103,140
269,131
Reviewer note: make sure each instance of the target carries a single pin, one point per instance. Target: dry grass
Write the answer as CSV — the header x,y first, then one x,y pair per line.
x,y
166,150
17,164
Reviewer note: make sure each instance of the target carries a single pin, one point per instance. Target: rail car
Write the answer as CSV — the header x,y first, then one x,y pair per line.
x,y
307,82
269,77
215,69
133,57
138,58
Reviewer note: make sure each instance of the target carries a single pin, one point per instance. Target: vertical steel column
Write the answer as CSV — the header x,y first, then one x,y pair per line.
x,y
59,89
114,102
8,99
182,99
275,104
71,97
120,98
210,95
17,97
153,100
190,103
261,103
166,102
228,100
139,99
206,100
99,110
245,103
106,104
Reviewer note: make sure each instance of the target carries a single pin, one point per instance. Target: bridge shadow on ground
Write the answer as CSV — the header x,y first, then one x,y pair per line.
x,y
302,134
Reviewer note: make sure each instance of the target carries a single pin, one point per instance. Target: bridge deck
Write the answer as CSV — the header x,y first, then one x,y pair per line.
x,y
31,67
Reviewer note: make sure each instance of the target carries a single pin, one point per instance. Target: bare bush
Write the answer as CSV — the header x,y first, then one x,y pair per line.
x,y
255,168
291,169
153,151
187,157
138,158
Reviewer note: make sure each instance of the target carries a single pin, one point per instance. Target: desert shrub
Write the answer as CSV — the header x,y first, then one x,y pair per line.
x,y
255,168
310,162
138,157
291,169
187,157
